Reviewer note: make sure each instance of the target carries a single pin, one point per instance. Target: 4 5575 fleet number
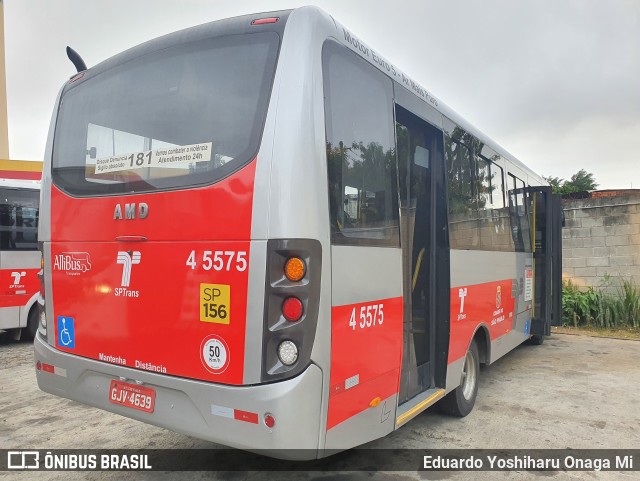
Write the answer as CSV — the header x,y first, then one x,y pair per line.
x,y
218,260
370,316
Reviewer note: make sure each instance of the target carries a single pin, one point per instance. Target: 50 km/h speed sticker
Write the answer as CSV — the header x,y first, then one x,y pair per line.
x,y
215,300
214,354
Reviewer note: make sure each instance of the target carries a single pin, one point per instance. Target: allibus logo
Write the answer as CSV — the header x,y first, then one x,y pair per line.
x,y
72,263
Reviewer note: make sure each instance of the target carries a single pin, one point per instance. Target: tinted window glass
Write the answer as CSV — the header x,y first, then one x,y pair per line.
x,y
490,181
519,214
464,229
461,170
478,216
19,219
185,115
495,233
363,191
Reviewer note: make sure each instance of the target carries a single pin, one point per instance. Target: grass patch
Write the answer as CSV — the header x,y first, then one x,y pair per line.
x,y
628,333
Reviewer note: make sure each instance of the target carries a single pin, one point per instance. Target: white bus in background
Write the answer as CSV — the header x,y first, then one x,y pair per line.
x,y
19,256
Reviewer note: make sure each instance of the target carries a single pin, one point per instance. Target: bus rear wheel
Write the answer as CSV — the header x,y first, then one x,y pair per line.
x,y
32,321
460,401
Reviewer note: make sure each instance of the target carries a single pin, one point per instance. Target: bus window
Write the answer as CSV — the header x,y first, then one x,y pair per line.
x,y
494,217
189,114
19,219
363,191
518,207
463,194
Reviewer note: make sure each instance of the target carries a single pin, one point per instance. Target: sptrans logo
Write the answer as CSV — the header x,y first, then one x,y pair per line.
x,y
72,263
17,278
128,260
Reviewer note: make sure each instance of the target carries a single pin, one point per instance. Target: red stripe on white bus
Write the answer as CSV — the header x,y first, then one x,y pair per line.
x,y
490,303
237,414
51,369
246,416
366,354
21,175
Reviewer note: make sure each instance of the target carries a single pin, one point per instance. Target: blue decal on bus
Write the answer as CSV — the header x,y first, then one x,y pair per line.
x,y
526,328
66,332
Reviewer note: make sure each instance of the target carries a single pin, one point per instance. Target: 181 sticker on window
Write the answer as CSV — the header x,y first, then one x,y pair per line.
x,y
215,303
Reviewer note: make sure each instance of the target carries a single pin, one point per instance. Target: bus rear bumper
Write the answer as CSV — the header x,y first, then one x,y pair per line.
x,y
229,415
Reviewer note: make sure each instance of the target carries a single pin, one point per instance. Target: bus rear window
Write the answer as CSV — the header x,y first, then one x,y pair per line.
x,y
185,115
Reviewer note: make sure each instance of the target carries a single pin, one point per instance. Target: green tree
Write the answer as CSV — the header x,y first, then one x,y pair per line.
x,y
580,181
556,183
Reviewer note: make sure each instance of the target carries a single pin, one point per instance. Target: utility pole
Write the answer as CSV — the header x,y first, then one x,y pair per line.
x,y
10,169
4,124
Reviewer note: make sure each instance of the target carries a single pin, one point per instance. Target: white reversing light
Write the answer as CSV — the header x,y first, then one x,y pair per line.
x,y
288,353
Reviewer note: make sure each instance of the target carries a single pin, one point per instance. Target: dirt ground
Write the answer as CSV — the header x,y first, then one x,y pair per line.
x,y
572,392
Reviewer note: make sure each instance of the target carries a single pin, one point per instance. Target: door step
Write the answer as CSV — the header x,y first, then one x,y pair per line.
x,y
416,405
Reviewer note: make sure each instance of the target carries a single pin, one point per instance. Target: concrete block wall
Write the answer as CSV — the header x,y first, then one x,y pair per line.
x,y
602,238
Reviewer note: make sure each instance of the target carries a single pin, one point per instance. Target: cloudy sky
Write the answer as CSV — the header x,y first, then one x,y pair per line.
x,y
555,82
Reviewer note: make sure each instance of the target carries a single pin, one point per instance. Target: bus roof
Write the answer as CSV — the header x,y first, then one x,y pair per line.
x,y
228,26
20,184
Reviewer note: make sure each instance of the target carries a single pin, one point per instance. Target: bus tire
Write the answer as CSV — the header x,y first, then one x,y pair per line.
x,y
32,321
460,401
536,340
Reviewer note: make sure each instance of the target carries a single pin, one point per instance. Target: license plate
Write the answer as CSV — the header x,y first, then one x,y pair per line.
x,y
132,396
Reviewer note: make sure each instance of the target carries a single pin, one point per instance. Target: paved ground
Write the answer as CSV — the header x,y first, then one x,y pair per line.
x,y
572,392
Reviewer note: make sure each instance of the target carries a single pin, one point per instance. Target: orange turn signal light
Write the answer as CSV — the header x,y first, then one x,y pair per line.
x,y
295,269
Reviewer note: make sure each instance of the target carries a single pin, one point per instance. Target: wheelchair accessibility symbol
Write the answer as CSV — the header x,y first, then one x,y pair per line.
x,y
66,332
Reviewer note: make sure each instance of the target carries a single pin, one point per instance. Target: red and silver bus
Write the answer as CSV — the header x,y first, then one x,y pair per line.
x,y
19,256
260,232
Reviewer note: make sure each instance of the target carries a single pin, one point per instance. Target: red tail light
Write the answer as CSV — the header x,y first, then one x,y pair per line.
x,y
292,309
262,21
269,420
